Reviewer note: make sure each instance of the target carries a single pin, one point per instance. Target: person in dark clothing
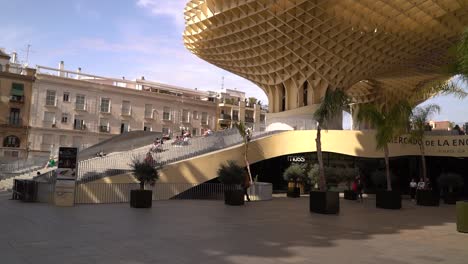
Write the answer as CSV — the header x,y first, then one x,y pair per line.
x,y
245,186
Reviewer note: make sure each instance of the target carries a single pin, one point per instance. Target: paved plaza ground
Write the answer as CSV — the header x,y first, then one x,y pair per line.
x,y
191,231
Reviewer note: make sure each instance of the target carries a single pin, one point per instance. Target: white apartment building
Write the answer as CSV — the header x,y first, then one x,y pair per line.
x,y
75,109
234,107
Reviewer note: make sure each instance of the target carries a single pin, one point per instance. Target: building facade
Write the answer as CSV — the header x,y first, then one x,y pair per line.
x,y
15,102
75,109
234,107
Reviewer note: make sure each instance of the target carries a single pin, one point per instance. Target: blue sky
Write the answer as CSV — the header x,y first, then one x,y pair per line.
x,y
130,38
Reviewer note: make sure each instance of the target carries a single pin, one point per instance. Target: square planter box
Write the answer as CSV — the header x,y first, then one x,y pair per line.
x,y
294,192
324,202
451,197
462,216
234,197
388,200
350,195
427,198
141,198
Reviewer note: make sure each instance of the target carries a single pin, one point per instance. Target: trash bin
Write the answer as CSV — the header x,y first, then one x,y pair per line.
x,y
29,191
18,189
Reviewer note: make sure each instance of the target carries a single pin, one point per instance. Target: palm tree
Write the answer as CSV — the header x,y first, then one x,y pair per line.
x,y
332,104
246,138
419,119
389,121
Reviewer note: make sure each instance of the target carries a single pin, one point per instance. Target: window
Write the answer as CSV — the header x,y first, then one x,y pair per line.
x,y
11,142
204,118
104,125
50,98
80,103
10,153
47,140
148,111
17,92
49,117
165,131
185,116
235,115
147,127
79,123
64,118
63,140
195,115
15,119
194,132
126,108
167,113
66,97
105,105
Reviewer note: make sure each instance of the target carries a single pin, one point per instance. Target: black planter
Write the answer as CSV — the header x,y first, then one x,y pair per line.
x,y
451,197
350,195
141,198
294,192
234,197
427,198
388,200
324,202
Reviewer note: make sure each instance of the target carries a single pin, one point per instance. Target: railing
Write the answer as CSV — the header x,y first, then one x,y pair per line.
x,y
97,193
118,163
21,166
225,116
249,119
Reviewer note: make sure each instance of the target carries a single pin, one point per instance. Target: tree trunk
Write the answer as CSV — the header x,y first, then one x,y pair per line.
x,y
318,142
423,162
142,185
387,168
247,161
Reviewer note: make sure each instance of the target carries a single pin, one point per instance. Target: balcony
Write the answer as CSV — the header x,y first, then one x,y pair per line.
x,y
185,120
15,122
204,122
225,117
80,107
79,127
235,118
126,112
17,99
249,119
149,115
104,129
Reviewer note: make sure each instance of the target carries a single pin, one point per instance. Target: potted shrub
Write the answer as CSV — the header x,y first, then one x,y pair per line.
x,y
147,173
389,121
462,216
294,174
347,176
232,176
450,184
324,202
385,199
333,103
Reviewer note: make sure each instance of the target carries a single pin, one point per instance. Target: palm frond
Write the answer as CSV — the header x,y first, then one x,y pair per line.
x,y
332,104
419,119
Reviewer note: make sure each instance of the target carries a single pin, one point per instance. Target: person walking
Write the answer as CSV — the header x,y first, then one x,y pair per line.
x,y
245,186
413,185
421,184
359,188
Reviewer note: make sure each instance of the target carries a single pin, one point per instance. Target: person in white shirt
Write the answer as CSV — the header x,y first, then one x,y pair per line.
x,y
413,185
421,184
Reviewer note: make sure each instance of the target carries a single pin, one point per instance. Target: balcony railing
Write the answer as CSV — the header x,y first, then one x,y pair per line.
x,y
16,122
225,116
79,127
204,122
166,116
17,99
235,118
104,129
249,119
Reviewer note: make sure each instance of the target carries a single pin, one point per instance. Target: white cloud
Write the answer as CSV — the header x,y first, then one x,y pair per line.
x,y
171,8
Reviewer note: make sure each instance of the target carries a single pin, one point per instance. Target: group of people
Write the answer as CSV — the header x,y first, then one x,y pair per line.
x,y
421,185
183,139
157,145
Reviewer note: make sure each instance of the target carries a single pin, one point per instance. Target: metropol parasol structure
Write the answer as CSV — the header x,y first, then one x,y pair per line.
x,y
375,50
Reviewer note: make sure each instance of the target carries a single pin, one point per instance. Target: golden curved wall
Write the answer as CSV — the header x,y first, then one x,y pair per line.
x,y
377,50
353,143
